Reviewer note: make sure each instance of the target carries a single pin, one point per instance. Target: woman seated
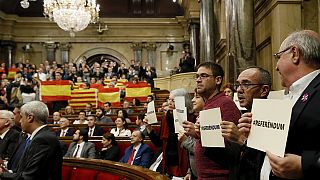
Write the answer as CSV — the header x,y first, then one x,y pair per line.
x,y
121,129
69,111
110,150
122,113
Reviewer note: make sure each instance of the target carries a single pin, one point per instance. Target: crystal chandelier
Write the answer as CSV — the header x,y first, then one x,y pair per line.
x,y
72,15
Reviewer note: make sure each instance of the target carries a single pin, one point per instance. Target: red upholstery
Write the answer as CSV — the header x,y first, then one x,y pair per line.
x,y
107,176
83,174
66,172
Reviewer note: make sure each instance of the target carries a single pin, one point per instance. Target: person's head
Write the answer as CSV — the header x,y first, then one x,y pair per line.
x,y
69,110
209,79
17,115
6,120
253,82
93,80
180,92
107,106
137,137
164,107
91,121
108,140
149,98
82,115
140,118
228,90
99,112
122,113
126,104
58,75
197,101
136,102
64,122
34,114
299,54
88,107
80,135
79,79
56,116
121,123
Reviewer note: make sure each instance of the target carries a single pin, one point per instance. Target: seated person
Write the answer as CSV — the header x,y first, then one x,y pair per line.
x,y
122,113
101,118
68,111
138,153
121,129
141,125
56,117
127,107
107,108
82,118
88,109
65,130
92,129
80,147
110,150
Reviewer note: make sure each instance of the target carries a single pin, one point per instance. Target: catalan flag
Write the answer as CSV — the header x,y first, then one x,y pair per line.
x,y
80,97
59,90
111,95
140,91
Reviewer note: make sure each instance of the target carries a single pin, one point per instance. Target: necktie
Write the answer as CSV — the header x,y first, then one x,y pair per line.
x,y
131,156
78,147
27,143
90,132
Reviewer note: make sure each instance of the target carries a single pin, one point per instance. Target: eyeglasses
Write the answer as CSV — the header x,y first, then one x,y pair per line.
x,y
246,86
278,54
202,76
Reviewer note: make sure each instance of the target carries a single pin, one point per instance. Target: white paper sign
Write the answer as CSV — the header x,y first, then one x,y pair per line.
x,y
151,113
270,125
210,129
177,122
276,94
179,102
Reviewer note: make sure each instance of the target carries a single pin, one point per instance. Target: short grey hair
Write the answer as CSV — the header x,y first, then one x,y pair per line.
x,y
38,109
183,92
8,115
309,46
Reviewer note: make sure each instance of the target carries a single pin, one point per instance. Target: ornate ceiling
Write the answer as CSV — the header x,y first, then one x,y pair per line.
x,y
109,8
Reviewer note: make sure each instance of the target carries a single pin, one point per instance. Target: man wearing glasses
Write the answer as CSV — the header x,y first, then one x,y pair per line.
x,y
298,64
213,163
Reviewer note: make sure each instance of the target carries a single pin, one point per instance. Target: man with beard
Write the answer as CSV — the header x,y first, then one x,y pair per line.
x,y
80,147
101,118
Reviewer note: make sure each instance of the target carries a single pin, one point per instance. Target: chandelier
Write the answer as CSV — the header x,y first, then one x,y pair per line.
x,y
72,15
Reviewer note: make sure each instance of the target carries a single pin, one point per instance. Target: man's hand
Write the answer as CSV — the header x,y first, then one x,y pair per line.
x,y
187,177
288,167
245,124
231,132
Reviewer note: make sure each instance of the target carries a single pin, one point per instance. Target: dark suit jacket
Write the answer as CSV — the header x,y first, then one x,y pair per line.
x,y
18,151
111,154
42,158
70,132
8,143
98,131
303,136
142,158
88,150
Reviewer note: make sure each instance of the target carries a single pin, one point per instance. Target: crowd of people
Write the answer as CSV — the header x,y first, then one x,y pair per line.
x,y
298,64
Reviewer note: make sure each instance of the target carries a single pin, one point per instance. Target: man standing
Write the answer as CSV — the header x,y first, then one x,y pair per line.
x,y
42,158
298,63
213,163
93,130
80,147
138,153
8,135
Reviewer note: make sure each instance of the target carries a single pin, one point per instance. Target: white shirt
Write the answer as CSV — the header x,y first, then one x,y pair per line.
x,y
63,132
123,133
295,91
78,155
4,134
142,128
36,131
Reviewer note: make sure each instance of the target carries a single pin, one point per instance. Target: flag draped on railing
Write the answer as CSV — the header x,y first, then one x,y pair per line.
x,y
80,97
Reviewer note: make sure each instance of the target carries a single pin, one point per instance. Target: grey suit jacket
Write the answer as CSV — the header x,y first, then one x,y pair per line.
x,y
88,150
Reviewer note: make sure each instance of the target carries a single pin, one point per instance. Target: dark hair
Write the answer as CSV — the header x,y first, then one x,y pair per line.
x,y
100,109
215,68
138,103
110,136
83,112
125,125
124,113
109,103
91,115
141,116
151,97
83,132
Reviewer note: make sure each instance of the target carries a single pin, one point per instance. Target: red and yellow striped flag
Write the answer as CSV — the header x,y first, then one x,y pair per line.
x,y
111,95
55,90
80,97
12,73
140,91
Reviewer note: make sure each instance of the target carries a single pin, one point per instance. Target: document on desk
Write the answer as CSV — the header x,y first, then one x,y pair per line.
x,y
210,130
270,125
151,113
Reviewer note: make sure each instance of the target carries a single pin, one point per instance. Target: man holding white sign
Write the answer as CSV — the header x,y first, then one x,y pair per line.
x,y
213,162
